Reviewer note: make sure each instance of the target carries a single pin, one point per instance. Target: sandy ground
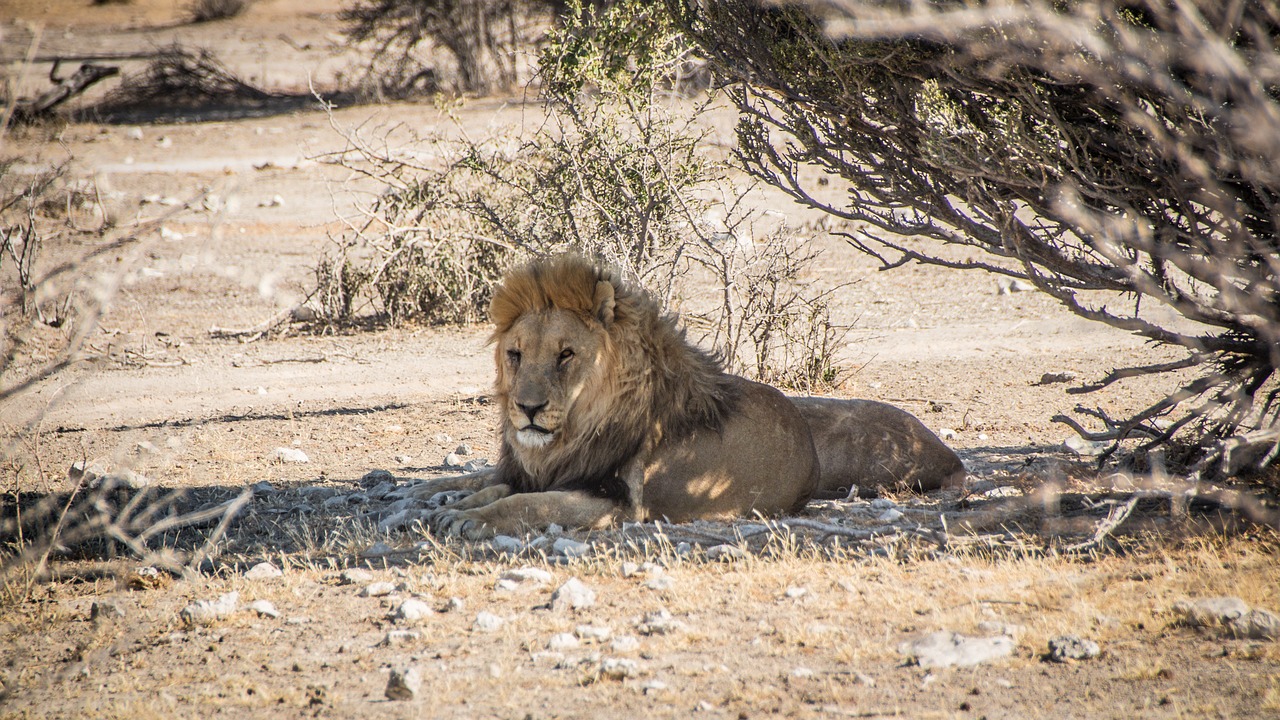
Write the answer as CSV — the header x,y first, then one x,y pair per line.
x,y
796,628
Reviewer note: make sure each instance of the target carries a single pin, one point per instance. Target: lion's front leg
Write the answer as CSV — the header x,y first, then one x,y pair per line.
x,y
515,514
469,483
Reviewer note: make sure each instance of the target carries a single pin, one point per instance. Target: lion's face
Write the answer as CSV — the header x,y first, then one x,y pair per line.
x,y
549,363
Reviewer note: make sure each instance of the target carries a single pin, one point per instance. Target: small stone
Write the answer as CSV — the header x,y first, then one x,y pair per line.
x,y
289,455
378,589
1065,648
1211,612
355,576
883,504
660,623
992,627
523,575
573,595
653,687
463,449
1051,378
453,460
865,679
474,465
442,438
629,569
263,571
335,502
381,490
264,608
298,620
399,637
597,633
726,553
562,642
618,668
802,673
413,610
487,622
553,530
1085,448
377,550
1257,624
146,447
273,201
262,488
946,433
506,545
105,610
375,477
946,649
134,133
454,604
207,612
891,515
625,643
661,583
404,684
796,593
1004,491
683,549
569,548
402,459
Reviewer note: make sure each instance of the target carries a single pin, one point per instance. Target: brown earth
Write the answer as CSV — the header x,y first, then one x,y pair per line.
x,y
162,395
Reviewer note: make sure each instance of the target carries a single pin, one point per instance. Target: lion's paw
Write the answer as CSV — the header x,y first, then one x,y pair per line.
x,y
459,523
446,498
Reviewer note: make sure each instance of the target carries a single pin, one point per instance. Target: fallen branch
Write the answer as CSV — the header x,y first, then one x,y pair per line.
x,y
84,78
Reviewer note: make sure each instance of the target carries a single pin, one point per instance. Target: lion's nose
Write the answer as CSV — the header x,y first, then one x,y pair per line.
x,y
531,411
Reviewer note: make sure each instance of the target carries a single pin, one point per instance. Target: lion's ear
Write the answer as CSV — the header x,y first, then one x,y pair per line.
x,y
604,302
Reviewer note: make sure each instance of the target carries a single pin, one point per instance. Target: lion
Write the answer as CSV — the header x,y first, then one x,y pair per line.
x,y
609,414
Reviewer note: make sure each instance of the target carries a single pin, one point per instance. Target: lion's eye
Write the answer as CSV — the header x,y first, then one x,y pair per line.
x,y
565,355
513,357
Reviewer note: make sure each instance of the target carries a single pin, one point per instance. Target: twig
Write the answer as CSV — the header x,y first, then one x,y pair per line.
x,y
250,334
1113,520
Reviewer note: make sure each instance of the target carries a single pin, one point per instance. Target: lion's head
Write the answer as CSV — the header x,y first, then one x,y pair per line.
x,y
587,369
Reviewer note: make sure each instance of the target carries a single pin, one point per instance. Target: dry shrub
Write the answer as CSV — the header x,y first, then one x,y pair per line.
x,y
180,77
617,171
210,10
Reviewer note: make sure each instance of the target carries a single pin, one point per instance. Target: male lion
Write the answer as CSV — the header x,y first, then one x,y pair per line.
x,y
609,414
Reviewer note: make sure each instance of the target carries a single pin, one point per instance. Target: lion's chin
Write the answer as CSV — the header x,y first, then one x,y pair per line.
x,y
533,438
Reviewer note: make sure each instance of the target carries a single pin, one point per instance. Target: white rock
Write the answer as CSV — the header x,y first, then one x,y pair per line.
x,y
796,592
1065,648
377,550
166,233
653,686
454,604
883,504
402,459
289,455
263,571
726,553
488,622
891,515
619,668
507,545
1232,615
946,433
378,589
573,595
802,673
207,612
404,684
567,547
463,449
453,460
264,608
134,133
562,642
625,643
1085,448
660,623
598,633
273,201
660,583
946,649
413,610
356,576
399,637
523,575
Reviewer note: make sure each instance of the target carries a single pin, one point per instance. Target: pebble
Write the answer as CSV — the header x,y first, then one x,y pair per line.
x,y
569,548
660,583
795,593
506,545
273,201
402,459
660,623
802,673
105,610
381,490
487,622
207,612
653,687
399,637
1004,491
619,668
598,633
377,550
453,460
625,643
726,553
463,449
289,455
1050,378
264,608
946,433
562,641
356,576
413,610
883,504
474,465
454,604
442,438
1232,615
378,589
992,627
374,477
404,684
891,515
263,571
262,488
573,595
522,575
946,649
1065,648
1085,448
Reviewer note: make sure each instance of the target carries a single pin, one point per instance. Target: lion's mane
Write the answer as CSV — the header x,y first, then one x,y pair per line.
x,y
654,383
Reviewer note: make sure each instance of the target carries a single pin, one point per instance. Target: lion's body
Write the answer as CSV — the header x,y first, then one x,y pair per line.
x,y
608,413
865,447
